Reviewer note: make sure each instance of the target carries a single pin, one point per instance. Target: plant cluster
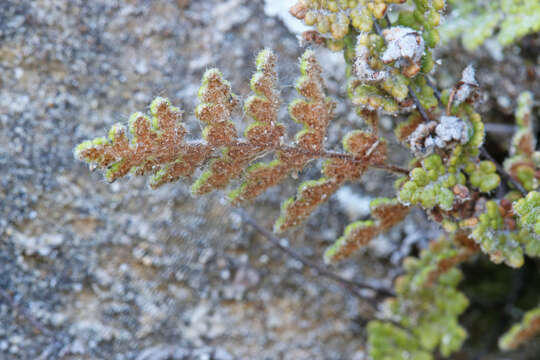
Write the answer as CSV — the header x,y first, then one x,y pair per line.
x,y
521,332
158,146
477,21
423,315
481,205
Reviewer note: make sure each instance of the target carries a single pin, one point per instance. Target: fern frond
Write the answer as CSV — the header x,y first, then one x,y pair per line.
x,y
158,146
452,176
387,213
215,110
497,236
334,17
388,341
426,308
522,331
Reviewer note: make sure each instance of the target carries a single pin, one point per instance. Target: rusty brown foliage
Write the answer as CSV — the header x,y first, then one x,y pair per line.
x,y
158,146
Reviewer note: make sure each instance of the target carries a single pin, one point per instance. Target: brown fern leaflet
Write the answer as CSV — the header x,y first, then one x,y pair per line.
x,y
157,144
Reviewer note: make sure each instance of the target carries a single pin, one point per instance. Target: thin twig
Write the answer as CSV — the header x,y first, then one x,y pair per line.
x,y
378,29
500,128
387,18
504,174
436,91
14,305
451,100
351,285
419,106
326,155
349,157
38,326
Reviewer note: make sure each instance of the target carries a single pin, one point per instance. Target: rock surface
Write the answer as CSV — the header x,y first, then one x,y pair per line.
x,y
90,270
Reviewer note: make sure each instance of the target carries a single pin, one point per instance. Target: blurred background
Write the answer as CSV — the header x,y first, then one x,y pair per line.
x,y
90,270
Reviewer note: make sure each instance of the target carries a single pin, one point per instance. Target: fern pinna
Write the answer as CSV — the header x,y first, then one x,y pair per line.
x,y
157,146
482,206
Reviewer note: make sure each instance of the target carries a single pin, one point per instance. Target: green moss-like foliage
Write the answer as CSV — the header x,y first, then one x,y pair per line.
x,y
505,20
425,311
495,239
431,185
387,341
522,331
502,238
483,176
528,212
372,97
337,17
405,46
524,161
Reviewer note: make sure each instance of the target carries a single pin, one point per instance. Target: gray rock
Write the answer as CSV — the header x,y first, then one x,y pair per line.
x,y
118,271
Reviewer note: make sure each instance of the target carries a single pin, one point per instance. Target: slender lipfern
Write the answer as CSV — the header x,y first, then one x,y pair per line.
x,y
483,207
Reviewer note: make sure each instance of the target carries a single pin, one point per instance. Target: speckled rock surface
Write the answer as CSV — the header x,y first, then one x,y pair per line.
x,y
120,271
90,270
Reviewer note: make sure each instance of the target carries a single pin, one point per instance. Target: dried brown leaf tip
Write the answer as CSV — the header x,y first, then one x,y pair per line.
x,y
299,10
156,147
357,235
386,213
405,129
312,36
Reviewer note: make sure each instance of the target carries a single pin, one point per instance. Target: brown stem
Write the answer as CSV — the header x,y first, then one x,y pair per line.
x,y
349,157
323,154
435,90
419,106
353,286
378,28
451,100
